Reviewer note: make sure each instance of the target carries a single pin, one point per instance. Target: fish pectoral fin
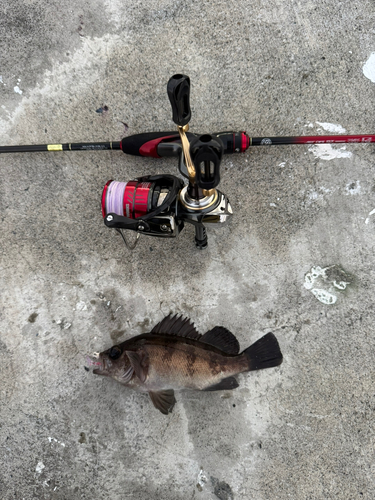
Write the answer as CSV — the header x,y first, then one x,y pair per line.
x,y
163,400
139,361
227,384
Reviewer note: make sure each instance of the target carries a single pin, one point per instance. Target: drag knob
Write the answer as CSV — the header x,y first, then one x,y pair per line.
x,y
206,152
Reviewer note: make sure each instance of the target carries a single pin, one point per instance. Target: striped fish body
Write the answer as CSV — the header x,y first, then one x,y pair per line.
x,y
178,363
174,356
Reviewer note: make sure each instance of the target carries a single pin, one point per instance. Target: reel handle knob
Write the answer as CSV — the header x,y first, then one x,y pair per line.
x,y
178,89
206,152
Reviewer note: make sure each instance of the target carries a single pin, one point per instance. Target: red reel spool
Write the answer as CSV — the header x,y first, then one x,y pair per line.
x,y
131,199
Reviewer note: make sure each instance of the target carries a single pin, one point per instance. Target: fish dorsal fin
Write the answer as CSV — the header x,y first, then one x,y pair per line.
x,y
221,338
177,325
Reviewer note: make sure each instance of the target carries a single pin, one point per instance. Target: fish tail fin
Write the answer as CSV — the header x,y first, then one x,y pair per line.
x,y
264,353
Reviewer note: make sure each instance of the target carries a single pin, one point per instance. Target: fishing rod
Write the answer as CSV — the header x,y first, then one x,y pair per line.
x,y
151,144
160,205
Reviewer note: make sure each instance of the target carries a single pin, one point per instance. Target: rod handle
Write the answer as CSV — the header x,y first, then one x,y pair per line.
x,y
146,144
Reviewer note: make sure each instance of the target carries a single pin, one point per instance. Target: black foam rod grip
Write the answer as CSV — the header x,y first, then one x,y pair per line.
x,y
178,89
146,144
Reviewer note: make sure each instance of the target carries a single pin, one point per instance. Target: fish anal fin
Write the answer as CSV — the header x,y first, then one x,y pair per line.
x,y
176,325
139,361
227,384
164,401
221,338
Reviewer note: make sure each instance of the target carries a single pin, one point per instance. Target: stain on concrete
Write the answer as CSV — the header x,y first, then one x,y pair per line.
x,y
102,110
222,489
144,325
116,335
32,317
3,346
82,438
326,283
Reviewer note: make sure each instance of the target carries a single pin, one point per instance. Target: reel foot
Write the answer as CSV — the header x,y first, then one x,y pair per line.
x,y
201,241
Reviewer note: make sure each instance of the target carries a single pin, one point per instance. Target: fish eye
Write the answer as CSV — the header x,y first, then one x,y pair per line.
x,y
115,352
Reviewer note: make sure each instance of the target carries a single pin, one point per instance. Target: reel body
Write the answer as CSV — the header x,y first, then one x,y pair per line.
x,y
146,205
160,205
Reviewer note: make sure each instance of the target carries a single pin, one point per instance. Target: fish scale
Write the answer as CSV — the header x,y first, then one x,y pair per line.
x,y
189,367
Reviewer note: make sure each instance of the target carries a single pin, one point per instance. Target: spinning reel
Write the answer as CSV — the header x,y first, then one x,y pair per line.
x,y
160,205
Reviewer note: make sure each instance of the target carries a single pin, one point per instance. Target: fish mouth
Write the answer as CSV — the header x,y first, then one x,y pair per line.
x,y
96,360
98,371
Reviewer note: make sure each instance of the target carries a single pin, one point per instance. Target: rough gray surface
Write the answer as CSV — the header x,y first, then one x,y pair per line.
x,y
69,287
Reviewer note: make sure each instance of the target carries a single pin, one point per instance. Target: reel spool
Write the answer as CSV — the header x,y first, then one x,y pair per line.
x,y
146,205
132,199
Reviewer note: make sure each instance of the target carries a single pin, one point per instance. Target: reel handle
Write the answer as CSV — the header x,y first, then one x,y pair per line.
x,y
178,89
206,152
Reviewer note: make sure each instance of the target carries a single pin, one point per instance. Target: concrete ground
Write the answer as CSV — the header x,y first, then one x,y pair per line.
x,y
297,258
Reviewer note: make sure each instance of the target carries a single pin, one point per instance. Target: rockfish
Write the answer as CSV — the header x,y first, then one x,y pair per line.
x,y
175,356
